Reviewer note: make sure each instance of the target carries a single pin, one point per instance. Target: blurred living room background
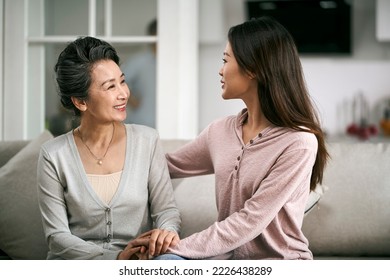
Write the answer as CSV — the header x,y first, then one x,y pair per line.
x,y
350,84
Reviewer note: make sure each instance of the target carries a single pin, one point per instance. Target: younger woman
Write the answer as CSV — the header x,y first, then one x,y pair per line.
x,y
266,159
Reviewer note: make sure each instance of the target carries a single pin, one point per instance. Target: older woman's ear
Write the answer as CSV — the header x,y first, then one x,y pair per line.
x,y
79,103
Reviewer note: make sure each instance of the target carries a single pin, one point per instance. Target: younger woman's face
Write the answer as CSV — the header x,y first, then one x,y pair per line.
x,y
108,93
236,83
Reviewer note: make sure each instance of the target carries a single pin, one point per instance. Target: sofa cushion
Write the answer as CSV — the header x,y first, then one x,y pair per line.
x,y
314,197
10,148
352,219
195,198
21,228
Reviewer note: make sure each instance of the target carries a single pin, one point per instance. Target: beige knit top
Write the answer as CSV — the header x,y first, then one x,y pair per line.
x,y
105,185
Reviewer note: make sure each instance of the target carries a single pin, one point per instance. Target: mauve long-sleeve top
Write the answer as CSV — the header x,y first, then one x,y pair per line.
x,y
262,188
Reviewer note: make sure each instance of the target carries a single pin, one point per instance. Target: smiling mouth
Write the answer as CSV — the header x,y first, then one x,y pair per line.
x,y
120,107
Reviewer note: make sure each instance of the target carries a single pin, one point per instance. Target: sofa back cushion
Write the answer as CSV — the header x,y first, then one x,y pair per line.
x,y
353,216
21,231
10,148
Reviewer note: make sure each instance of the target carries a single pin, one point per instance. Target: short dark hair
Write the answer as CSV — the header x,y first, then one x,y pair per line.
x,y
74,66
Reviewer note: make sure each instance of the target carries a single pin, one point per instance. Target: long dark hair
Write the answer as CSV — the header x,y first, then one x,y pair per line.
x,y
74,66
265,48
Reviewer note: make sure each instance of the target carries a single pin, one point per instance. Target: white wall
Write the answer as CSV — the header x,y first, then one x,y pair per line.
x,y
332,80
1,68
15,109
177,69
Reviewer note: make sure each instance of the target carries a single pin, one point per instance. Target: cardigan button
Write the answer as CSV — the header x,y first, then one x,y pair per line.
x,y
108,238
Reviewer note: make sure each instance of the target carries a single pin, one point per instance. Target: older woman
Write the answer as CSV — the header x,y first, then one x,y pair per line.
x,y
104,183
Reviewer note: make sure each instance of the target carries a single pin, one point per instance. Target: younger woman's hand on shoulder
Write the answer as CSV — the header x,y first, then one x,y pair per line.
x,y
160,240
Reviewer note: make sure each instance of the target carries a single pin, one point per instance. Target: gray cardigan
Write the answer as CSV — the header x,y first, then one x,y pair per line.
x,y
77,224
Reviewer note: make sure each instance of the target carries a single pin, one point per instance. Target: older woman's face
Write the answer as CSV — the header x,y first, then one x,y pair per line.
x,y
108,93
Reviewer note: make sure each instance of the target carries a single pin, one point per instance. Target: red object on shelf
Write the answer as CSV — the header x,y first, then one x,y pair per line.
x,y
352,129
359,127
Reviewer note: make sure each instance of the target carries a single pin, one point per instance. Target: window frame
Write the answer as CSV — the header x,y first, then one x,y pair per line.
x,y
22,110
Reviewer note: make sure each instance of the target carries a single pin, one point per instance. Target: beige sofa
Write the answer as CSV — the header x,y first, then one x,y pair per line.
x,y
350,221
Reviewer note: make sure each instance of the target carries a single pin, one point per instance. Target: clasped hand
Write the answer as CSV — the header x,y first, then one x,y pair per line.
x,y
149,244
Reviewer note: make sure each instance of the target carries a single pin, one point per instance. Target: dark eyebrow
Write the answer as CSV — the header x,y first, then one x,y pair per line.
x,y
111,80
225,53
108,81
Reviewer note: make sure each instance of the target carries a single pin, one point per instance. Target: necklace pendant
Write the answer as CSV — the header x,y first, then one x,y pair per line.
x,y
99,160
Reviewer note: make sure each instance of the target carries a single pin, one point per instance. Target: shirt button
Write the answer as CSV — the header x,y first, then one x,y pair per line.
x,y
108,210
251,141
236,167
109,223
260,135
238,158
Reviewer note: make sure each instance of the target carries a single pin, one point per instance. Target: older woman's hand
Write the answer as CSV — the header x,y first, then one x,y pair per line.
x,y
136,249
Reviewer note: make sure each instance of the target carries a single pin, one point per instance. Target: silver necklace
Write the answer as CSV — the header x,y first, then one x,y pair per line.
x,y
99,160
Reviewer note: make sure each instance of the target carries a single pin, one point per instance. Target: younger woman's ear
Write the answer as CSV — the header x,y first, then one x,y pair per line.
x,y
251,75
79,103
